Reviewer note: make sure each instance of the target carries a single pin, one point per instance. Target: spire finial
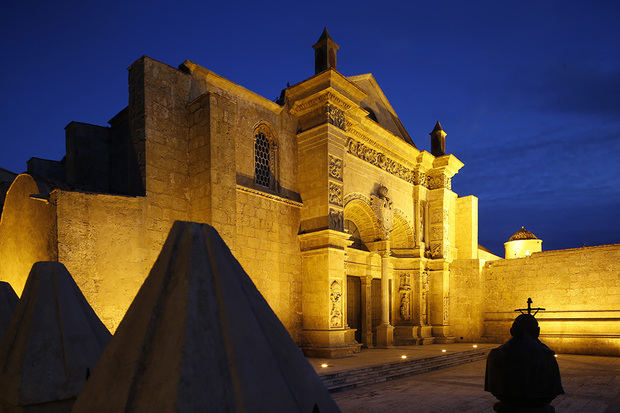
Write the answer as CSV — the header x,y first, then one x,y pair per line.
x,y
438,140
325,53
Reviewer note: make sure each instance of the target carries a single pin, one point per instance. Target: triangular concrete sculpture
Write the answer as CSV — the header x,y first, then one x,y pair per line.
x,y
53,341
8,302
200,337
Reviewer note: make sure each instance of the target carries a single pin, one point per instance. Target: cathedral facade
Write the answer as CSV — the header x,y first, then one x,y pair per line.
x,y
353,235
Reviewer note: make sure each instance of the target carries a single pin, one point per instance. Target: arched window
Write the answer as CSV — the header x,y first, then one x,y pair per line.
x,y
265,157
262,160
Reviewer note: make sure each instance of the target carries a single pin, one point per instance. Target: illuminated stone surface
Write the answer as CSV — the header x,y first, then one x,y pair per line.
x,y
8,302
53,340
184,148
200,337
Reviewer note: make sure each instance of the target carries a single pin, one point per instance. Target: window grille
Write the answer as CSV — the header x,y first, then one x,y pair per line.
x,y
261,159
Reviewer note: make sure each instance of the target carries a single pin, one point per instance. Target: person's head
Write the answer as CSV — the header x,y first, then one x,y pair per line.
x,y
525,325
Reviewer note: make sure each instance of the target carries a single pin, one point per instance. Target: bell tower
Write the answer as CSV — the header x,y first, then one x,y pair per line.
x,y
325,50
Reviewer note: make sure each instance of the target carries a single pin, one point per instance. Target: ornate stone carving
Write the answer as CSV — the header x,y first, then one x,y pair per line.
x,y
424,288
420,178
335,194
382,207
422,221
380,160
446,309
305,105
336,117
335,299
405,306
356,195
436,250
335,167
439,181
405,279
336,220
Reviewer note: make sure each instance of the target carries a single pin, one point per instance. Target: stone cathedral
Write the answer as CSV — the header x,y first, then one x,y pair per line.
x,y
353,235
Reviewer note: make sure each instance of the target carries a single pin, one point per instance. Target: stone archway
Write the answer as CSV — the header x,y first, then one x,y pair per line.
x,y
364,228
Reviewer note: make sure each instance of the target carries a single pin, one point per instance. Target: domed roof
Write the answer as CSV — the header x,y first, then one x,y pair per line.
x,y
522,234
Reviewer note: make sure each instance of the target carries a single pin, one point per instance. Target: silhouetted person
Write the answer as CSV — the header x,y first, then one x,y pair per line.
x,y
523,373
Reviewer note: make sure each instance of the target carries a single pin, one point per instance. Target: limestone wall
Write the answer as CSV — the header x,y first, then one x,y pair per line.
x,y
580,288
27,231
466,299
104,242
268,250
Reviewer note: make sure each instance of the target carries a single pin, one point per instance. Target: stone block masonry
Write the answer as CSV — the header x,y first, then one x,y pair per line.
x,y
580,289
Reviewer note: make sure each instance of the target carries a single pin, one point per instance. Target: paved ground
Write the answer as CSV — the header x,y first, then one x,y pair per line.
x,y
381,356
590,383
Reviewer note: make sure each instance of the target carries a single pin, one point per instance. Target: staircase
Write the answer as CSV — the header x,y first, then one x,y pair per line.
x,y
363,376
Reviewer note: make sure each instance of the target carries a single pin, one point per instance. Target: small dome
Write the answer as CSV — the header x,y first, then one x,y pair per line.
x,y
522,234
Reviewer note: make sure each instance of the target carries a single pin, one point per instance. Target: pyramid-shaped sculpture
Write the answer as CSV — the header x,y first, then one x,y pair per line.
x,y
8,302
53,341
200,337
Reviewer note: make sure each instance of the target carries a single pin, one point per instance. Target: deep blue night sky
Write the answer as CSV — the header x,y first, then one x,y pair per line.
x,y
529,95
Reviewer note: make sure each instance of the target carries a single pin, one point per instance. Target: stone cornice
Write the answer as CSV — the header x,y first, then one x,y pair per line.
x,y
231,87
331,96
271,197
448,165
324,80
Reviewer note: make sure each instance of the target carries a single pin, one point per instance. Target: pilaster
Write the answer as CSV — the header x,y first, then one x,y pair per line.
x,y
320,104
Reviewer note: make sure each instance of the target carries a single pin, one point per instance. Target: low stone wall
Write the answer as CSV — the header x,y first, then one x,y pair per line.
x,y
580,288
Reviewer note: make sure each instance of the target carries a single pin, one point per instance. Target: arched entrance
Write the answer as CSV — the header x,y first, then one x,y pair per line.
x,y
363,267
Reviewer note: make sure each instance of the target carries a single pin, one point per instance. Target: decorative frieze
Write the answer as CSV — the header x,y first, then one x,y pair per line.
x,y
335,167
335,299
304,105
335,194
382,161
440,181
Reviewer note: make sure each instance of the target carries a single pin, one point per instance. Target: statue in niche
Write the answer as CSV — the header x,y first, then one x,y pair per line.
x,y
335,296
405,307
381,205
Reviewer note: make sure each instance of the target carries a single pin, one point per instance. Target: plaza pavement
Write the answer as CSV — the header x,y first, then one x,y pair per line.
x,y
591,383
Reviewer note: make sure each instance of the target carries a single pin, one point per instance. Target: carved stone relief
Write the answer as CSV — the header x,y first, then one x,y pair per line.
x,y
336,220
436,250
446,309
439,181
335,194
424,288
336,117
335,167
405,306
380,160
381,205
405,279
335,299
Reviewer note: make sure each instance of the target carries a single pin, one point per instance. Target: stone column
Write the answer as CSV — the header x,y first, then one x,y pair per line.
x,y
385,331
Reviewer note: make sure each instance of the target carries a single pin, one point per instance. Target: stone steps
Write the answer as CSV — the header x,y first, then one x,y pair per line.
x,y
363,376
